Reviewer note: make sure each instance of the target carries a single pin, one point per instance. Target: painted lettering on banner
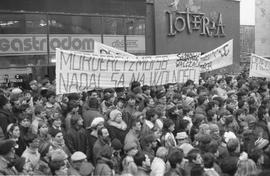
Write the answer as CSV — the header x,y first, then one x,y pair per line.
x,y
217,58
259,67
77,72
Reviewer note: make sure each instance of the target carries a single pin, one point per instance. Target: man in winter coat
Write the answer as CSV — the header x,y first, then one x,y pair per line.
x,y
76,135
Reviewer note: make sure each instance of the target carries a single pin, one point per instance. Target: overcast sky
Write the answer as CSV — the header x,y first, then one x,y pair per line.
x,y
247,12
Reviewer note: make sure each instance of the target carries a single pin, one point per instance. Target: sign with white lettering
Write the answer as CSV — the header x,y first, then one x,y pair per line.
x,y
77,72
32,44
259,67
36,44
134,43
217,58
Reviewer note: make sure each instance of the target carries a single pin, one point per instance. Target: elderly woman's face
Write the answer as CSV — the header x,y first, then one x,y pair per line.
x,y
118,118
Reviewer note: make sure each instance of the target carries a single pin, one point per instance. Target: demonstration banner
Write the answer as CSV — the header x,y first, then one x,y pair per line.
x,y
100,48
77,72
259,67
217,58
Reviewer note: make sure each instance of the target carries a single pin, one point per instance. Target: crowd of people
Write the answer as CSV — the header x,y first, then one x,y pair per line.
x,y
219,127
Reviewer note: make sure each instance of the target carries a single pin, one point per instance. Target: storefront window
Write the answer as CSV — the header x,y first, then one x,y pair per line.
x,y
135,26
35,24
113,26
64,24
24,36
23,24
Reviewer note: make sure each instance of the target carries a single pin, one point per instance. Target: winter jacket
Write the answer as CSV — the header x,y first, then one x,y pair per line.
x,y
117,133
76,140
91,139
88,116
98,147
103,168
5,119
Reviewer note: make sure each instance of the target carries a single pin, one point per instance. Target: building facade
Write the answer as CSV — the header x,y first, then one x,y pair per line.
x,y
31,30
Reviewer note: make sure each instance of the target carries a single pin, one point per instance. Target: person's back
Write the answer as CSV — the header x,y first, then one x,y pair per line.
x,y
92,112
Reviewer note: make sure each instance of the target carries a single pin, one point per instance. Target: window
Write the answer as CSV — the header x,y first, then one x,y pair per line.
x,y
113,26
65,24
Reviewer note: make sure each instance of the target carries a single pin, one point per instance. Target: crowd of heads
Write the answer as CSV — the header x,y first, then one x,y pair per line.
x,y
218,127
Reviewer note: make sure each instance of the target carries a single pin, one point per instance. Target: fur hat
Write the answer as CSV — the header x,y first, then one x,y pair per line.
x,y
78,156
96,121
114,113
58,155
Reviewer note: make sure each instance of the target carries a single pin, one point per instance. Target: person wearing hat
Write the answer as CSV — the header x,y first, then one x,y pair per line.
x,y
76,135
78,165
92,136
92,112
7,155
117,127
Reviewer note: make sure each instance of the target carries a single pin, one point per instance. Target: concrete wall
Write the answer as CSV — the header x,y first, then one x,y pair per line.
x,y
262,28
193,41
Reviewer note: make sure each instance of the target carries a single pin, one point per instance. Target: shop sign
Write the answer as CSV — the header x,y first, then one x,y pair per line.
x,y
179,21
134,43
36,44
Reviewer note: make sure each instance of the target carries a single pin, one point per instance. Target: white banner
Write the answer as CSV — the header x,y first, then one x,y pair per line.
x,y
77,72
259,67
105,49
217,58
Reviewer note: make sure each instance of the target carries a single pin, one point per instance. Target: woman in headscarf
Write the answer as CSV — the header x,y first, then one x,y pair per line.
x,y
117,127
